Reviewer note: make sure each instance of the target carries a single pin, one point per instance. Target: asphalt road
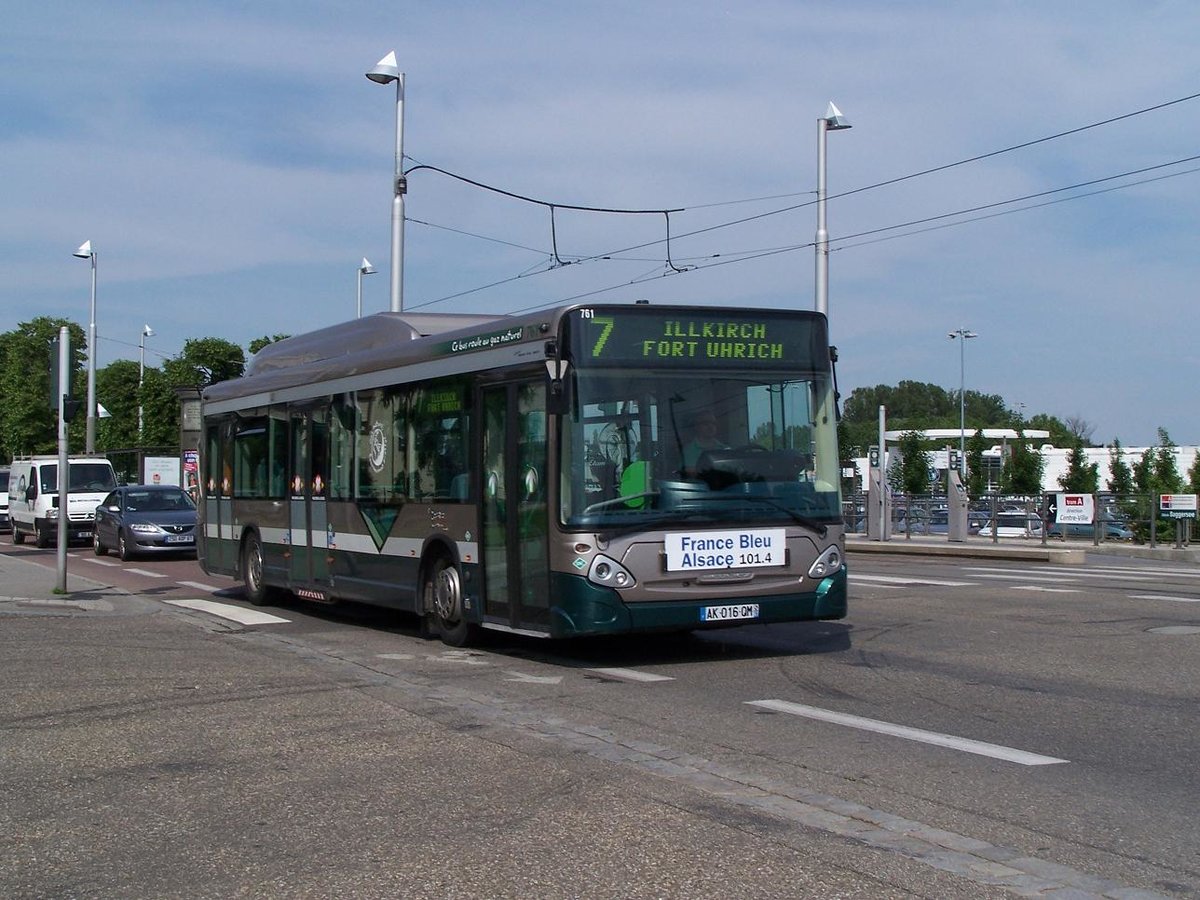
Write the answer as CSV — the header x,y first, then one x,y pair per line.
x,y
974,728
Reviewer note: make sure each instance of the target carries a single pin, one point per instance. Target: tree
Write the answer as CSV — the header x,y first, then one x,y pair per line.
x,y
1156,472
1022,473
1194,476
1121,480
915,463
259,342
977,482
28,418
1081,476
117,389
1081,428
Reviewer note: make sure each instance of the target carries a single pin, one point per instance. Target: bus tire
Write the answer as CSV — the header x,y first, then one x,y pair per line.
x,y
443,596
257,591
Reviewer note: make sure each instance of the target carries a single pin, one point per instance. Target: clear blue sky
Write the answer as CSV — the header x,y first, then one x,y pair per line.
x,y
231,165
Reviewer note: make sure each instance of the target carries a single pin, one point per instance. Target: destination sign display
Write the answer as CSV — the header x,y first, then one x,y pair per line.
x,y
690,337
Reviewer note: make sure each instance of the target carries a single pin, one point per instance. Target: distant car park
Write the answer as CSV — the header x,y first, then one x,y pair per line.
x,y
1112,531
1013,525
145,519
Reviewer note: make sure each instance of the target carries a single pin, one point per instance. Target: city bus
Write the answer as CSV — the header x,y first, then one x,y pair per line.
x,y
526,473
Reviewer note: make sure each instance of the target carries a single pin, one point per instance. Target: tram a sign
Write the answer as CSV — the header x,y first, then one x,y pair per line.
x,y
1177,506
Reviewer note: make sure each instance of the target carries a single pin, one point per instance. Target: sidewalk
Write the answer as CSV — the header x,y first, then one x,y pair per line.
x,y
1055,551
27,583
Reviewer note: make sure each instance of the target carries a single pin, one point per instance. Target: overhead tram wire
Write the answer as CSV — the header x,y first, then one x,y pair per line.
x,y
748,256
731,257
1007,212
615,253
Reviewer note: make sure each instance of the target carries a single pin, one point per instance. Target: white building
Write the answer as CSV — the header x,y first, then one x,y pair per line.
x,y
1055,459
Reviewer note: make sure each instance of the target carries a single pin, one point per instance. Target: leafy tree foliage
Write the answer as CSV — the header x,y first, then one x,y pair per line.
x,y
911,475
1022,473
976,473
1081,476
1156,472
28,421
1121,480
259,342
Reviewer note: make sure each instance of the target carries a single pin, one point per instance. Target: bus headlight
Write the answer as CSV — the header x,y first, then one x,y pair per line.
x,y
827,563
608,572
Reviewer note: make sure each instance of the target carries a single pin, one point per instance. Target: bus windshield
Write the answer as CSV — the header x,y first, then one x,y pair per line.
x,y
643,447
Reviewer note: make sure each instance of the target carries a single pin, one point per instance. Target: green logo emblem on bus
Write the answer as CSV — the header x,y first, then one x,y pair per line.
x,y
379,521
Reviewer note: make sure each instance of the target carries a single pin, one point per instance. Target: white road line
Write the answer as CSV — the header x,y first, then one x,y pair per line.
x,y
226,611
995,751
1164,597
99,562
1043,589
523,678
631,675
198,586
897,579
1186,573
1023,577
147,573
885,587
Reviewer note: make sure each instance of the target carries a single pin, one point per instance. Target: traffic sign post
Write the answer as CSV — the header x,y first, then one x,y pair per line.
x,y
1181,508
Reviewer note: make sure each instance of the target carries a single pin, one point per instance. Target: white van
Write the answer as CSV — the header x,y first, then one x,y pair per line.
x,y
33,496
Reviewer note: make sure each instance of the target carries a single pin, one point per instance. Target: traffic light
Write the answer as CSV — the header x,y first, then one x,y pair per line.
x,y
71,408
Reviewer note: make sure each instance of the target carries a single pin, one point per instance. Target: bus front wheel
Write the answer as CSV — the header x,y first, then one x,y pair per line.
x,y
443,596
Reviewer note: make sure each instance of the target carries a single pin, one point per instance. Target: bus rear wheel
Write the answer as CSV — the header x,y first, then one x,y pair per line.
x,y
443,597
257,591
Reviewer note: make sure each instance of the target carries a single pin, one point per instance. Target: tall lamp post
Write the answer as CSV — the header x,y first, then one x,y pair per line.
x,y
385,72
963,335
85,251
364,268
147,331
833,120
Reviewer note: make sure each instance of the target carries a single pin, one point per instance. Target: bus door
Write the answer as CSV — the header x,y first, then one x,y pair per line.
x,y
513,463
308,520
220,542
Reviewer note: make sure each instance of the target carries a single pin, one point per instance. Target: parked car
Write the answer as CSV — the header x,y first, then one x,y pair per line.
x,y
1113,531
145,518
1013,524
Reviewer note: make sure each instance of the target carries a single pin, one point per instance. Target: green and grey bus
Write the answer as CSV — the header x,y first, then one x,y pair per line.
x,y
536,473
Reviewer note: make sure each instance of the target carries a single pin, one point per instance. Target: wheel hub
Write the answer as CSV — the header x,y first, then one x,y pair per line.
x,y
447,595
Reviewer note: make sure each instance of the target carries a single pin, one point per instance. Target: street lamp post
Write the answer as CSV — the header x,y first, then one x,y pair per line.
x,y
385,72
364,268
147,331
963,335
833,120
85,251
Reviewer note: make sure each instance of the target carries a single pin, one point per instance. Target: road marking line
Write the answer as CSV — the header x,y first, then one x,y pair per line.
x,y
1023,577
897,579
995,751
1043,589
631,675
1165,597
99,562
225,611
147,573
523,678
198,586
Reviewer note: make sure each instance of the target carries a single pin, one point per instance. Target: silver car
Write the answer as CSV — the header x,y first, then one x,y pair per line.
x,y
145,519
